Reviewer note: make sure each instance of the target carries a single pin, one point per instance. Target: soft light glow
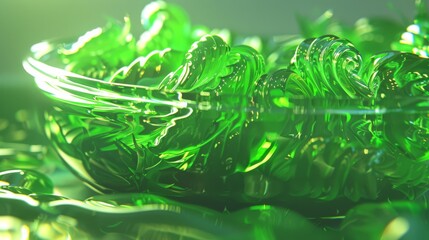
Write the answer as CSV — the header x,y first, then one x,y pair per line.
x,y
13,228
413,29
396,229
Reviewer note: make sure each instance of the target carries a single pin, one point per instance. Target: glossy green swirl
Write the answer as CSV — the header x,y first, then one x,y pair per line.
x,y
190,111
331,66
100,51
165,26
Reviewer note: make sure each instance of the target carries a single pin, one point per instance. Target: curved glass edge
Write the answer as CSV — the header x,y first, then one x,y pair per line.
x,y
78,90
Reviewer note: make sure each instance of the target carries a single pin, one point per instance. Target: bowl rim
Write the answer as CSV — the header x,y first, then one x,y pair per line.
x,y
36,65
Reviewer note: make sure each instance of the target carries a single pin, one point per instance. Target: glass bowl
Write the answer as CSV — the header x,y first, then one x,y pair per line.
x,y
217,150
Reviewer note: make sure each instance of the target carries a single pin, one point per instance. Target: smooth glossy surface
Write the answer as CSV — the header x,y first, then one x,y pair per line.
x,y
315,124
214,122
144,216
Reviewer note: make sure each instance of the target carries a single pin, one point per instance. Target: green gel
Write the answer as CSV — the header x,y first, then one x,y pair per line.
x,y
207,117
330,66
315,123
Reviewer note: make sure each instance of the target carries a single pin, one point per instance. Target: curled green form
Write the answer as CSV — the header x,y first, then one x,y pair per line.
x,y
241,67
415,39
245,66
165,26
401,81
276,87
154,133
210,120
357,135
150,70
210,64
331,66
396,74
101,51
200,68
204,64
370,35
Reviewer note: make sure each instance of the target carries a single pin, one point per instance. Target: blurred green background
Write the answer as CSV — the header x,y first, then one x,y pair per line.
x,y
25,22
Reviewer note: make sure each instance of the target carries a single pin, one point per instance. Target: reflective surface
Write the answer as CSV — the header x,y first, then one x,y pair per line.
x,y
236,124
213,122
142,216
